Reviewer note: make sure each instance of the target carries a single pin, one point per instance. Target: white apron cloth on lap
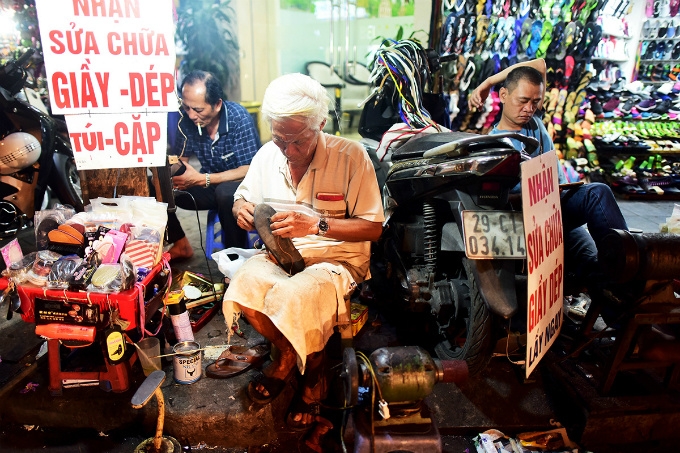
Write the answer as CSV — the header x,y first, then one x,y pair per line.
x,y
304,307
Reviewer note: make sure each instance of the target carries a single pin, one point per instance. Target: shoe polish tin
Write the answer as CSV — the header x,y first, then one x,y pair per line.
x,y
187,362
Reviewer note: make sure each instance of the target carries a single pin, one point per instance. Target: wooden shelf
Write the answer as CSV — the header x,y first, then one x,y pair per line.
x,y
674,38
613,60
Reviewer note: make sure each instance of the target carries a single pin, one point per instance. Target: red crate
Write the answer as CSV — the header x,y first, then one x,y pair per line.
x,y
127,302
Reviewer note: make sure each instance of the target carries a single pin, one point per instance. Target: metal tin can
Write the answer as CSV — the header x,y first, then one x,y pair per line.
x,y
187,362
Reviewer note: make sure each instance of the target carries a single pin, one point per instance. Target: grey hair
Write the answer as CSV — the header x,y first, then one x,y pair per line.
x,y
295,95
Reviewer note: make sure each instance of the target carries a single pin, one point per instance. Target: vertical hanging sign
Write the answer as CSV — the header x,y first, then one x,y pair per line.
x,y
110,70
545,255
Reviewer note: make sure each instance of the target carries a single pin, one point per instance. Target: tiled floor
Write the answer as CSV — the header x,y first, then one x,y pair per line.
x,y
646,215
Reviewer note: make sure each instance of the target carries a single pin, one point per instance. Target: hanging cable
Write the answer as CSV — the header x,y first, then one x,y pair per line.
x,y
383,407
403,71
200,235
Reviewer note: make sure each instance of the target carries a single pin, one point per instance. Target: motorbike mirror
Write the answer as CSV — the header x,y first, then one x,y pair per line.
x,y
13,75
433,60
21,61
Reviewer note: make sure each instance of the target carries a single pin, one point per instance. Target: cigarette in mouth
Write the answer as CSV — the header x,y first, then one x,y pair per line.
x,y
200,132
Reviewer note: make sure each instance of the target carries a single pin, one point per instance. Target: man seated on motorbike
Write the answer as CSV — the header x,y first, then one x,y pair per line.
x,y
325,192
590,204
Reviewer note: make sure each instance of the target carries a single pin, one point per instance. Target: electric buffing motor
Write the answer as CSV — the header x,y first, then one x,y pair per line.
x,y
396,380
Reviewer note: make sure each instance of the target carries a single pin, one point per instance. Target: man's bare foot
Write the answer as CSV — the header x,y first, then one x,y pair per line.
x,y
305,411
278,369
305,419
181,249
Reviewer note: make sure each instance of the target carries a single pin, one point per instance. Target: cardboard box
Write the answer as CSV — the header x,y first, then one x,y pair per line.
x,y
358,317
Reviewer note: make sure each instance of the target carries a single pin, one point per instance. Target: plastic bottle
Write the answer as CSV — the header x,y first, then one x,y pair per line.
x,y
180,321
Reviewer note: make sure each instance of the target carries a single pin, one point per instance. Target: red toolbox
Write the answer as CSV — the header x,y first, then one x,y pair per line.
x,y
82,309
127,302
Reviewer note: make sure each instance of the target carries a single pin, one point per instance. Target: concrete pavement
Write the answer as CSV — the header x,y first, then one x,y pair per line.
x,y
218,413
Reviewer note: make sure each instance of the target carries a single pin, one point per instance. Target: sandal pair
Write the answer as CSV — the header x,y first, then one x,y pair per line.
x,y
546,39
535,40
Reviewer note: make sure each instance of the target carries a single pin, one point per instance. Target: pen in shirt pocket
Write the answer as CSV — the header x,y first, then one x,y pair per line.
x,y
227,156
330,196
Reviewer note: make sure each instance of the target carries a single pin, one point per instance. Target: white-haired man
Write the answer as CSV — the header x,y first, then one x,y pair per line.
x,y
326,195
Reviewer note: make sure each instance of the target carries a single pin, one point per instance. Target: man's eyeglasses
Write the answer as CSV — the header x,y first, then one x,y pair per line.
x,y
302,139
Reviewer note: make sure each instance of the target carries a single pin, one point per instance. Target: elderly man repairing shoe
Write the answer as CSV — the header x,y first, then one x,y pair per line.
x,y
318,194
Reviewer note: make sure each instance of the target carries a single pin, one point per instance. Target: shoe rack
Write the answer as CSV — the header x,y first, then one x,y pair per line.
x,y
659,50
615,43
629,45
638,159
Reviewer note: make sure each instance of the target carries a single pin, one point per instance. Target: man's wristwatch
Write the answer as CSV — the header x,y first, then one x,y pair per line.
x,y
323,226
207,179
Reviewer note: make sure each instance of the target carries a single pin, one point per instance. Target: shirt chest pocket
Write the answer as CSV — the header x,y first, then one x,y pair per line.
x,y
325,208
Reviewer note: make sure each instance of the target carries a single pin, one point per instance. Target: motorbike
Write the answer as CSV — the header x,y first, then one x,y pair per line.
x,y
452,245
36,160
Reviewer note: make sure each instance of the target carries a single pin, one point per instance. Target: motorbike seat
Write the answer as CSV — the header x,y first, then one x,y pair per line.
x,y
466,143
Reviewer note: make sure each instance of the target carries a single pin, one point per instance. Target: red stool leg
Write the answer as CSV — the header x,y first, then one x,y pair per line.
x,y
54,367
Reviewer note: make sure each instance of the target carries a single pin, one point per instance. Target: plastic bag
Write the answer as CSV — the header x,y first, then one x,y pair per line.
x,y
672,224
143,217
19,271
42,266
62,272
150,214
397,135
142,249
11,253
106,279
48,220
230,259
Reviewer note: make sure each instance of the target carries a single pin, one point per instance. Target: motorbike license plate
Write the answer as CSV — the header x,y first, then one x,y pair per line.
x,y
493,234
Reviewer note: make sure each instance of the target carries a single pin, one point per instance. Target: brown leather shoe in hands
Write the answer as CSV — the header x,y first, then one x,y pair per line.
x,y
287,256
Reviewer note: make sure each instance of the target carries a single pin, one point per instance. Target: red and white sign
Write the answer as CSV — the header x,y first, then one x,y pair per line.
x,y
108,56
124,140
545,255
110,68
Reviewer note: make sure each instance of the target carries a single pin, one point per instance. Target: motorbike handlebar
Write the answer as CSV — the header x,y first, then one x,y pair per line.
x,y
530,143
21,61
